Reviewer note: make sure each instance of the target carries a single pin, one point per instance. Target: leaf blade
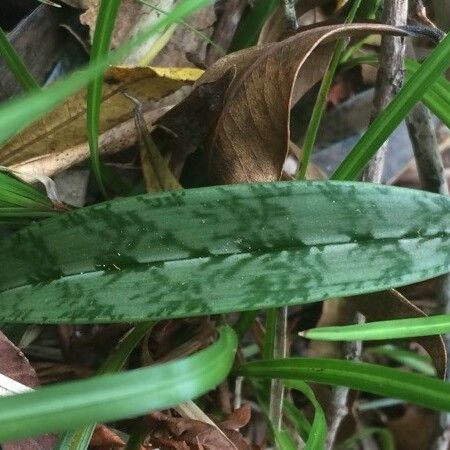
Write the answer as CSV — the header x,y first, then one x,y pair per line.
x,y
100,399
385,381
104,27
116,261
384,329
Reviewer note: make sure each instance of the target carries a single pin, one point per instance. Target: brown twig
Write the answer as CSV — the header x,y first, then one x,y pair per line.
x,y
281,344
280,351
389,81
231,13
390,76
338,407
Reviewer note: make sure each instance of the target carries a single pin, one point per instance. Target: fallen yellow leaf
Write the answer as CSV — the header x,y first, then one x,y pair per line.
x,y
59,139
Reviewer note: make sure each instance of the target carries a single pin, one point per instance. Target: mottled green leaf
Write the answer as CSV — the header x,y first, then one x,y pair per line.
x,y
222,249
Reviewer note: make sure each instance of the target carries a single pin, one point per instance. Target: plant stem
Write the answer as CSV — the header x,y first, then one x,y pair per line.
x,y
280,350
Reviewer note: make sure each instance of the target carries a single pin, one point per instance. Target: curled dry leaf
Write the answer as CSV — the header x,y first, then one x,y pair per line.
x,y
59,140
180,433
249,141
105,437
135,16
186,47
157,175
15,365
391,305
126,18
238,419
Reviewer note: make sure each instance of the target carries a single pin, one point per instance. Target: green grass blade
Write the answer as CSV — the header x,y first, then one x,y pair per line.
x,y
408,358
244,322
384,381
79,439
383,329
104,27
437,95
438,106
386,439
322,97
21,202
318,433
441,85
257,246
250,26
17,114
284,440
16,65
297,418
390,118
116,396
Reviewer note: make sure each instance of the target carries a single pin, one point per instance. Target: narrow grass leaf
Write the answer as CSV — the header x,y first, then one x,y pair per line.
x,y
79,439
257,246
117,396
16,65
383,329
284,440
385,436
318,432
21,202
104,27
395,112
297,418
408,358
322,97
384,381
436,96
250,26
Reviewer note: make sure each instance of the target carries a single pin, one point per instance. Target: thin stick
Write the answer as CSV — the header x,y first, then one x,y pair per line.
x,y
390,76
280,350
280,344
338,408
389,81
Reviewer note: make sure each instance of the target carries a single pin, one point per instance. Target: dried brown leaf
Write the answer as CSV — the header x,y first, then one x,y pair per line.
x,y
157,175
127,17
104,436
15,365
251,137
181,433
237,419
59,139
